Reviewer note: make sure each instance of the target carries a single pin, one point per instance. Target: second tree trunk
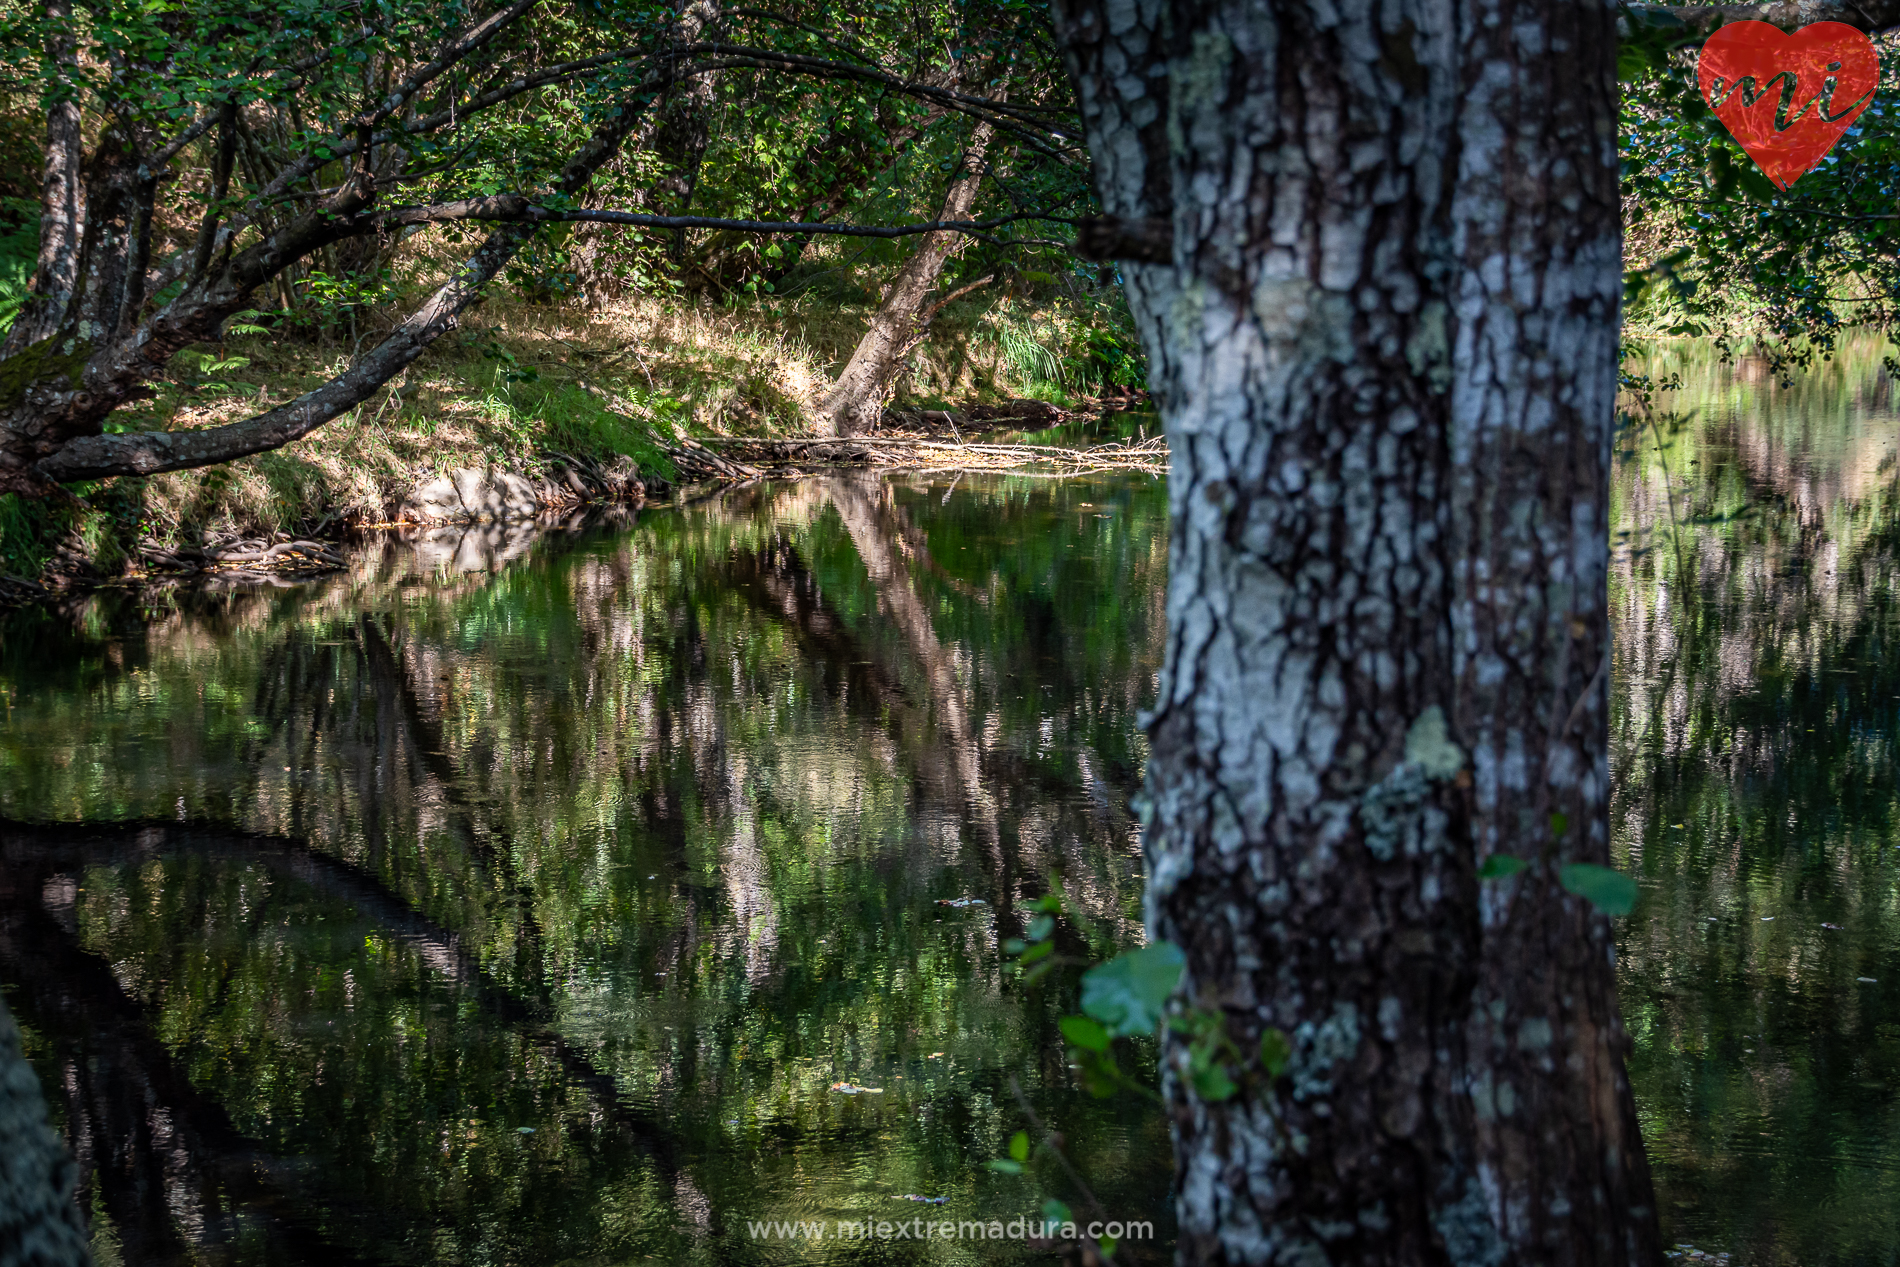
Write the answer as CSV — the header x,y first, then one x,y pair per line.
x,y
856,400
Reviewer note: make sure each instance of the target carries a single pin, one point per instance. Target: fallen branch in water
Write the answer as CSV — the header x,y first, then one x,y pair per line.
x,y
1149,455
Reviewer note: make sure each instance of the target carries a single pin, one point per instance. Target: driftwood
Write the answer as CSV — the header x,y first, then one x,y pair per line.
x,y
1148,455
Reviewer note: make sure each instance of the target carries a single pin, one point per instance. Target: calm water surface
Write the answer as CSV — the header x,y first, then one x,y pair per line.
x,y
1755,716
525,900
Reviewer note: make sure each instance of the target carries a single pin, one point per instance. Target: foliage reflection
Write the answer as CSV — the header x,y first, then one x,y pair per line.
x,y
524,904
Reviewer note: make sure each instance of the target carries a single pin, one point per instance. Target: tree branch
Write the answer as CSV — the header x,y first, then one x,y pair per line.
x,y
518,208
1030,123
147,453
150,452
452,52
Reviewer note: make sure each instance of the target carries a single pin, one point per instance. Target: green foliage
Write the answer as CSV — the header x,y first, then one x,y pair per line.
x,y
19,248
1056,353
1713,248
1609,890
1085,1032
1212,1054
1501,866
211,364
326,302
25,539
1127,994
1276,1051
575,420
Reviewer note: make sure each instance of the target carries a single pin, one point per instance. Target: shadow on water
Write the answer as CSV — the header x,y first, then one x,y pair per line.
x,y
524,899
1755,715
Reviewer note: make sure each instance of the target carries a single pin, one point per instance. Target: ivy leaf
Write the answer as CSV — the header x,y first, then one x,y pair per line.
x,y
1276,1051
1211,1082
1609,890
1127,993
1084,1033
1501,866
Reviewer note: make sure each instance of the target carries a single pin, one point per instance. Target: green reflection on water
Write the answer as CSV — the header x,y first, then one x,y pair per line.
x,y
530,912
1756,702
638,839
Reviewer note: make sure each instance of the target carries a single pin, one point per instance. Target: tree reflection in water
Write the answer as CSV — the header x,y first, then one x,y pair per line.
x,y
477,907
1756,700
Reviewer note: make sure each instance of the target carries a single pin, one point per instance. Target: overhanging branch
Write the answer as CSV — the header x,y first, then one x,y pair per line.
x,y
146,453
151,452
520,209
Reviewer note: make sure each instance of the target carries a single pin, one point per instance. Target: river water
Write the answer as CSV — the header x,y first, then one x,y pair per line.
x,y
590,896
514,900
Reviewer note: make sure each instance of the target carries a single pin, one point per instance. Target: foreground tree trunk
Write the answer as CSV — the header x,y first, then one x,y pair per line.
x,y
1374,253
39,1223
856,400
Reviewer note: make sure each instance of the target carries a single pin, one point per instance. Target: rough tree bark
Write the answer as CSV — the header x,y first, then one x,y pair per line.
x,y
856,400
1381,314
39,1221
61,206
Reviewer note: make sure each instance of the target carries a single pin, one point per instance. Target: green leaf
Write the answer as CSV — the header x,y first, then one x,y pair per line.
x,y
1054,1211
1107,1243
1003,1166
1211,1082
1501,866
1100,1076
1019,1146
1755,182
1037,951
1037,973
1040,927
1128,992
1611,891
1276,1051
1084,1033
1559,824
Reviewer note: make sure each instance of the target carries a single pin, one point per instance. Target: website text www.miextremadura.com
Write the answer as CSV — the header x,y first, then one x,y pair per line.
x,y
946,1230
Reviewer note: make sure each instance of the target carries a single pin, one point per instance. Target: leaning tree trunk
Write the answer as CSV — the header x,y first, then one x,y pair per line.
x,y
39,1221
1380,305
856,400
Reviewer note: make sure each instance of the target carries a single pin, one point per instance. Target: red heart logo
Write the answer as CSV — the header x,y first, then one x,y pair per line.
x,y
1788,98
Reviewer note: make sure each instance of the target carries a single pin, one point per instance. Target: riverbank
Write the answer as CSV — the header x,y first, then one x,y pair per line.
x,y
538,408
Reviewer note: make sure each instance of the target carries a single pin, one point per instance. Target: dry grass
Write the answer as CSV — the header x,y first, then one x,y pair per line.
x,y
495,393
506,389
